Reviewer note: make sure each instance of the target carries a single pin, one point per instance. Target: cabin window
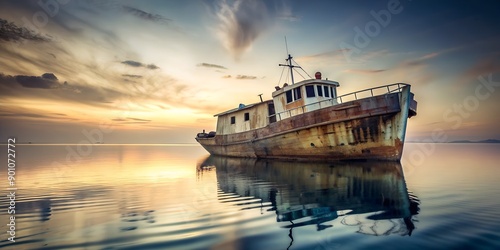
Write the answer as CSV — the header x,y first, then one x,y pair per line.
x,y
327,91
310,91
297,94
289,96
233,120
320,90
333,91
247,116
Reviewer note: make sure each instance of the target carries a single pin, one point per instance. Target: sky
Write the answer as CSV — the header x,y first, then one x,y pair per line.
x,y
156,71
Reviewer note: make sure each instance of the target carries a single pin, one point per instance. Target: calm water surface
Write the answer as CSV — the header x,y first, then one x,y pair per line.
x,y
177,197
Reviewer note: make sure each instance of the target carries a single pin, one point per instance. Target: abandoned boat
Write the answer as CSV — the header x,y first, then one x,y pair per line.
x,y
308,120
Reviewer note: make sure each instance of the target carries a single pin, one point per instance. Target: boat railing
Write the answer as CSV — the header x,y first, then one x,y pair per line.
x,y
360,94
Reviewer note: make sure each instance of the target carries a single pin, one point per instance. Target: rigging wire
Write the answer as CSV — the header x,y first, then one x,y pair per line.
x,y
279,82
287,76
299,73
302,70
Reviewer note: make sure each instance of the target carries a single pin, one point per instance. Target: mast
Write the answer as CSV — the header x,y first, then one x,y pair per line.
x,y
290,65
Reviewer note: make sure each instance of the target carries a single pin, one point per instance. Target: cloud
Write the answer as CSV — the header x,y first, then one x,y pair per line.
x,y
132,63
131,76
23,113
130,120
145,15
139,64
365,71
46,81
335,55
106,6
240,24
137,119
49,76
12,33
50,88
285,13
240,77
152,66
209,65
331,53
245,77
484,66
421,60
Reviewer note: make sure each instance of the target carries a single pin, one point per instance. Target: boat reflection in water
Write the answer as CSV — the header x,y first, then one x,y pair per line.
x,y
308,193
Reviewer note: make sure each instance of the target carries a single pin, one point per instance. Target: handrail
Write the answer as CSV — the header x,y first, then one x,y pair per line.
x,y
389,91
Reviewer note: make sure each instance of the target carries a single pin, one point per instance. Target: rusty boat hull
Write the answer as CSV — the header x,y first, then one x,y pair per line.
x,y
371,128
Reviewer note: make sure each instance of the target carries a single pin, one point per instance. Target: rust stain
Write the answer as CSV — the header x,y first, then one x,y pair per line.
x,y
295,104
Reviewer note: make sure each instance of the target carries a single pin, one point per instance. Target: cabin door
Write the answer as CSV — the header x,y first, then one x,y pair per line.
x,y
272,112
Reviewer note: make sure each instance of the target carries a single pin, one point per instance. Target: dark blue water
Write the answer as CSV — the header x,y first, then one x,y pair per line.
x,y
177,197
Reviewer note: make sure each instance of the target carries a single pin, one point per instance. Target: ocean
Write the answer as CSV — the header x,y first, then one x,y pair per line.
x,y
176,196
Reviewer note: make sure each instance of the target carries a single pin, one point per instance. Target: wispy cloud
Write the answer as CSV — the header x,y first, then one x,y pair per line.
x,y
139,64
365,71
131,76
12,33
284,12
26,114
240,77
420,60
130,120
245,77
145,15
484,66
241,23
323,55
210,65
115,5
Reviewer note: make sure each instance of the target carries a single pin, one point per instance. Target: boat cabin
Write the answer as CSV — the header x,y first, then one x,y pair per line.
x,y
289,100
304,96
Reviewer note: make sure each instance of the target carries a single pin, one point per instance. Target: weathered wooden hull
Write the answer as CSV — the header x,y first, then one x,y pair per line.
x,y
363,129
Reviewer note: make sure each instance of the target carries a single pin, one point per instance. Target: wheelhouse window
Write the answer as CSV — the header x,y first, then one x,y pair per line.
x,y
233,119
289,97
327,91
293,95
310,91
320,90
247,116
297,94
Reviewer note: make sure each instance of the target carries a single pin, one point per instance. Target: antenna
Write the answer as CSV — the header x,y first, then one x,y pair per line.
x,y
290,64
289,60
286,45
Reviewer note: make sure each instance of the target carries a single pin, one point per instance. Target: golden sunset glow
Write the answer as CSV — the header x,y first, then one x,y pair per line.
x,y
158,71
